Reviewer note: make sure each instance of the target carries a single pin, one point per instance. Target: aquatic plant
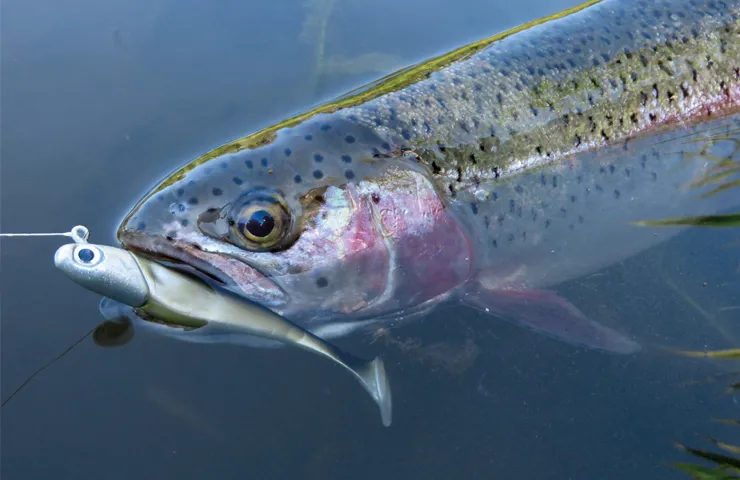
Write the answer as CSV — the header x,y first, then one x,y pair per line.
x,y
724,460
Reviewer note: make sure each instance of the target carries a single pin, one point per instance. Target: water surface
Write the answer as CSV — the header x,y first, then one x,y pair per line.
x,y
100,100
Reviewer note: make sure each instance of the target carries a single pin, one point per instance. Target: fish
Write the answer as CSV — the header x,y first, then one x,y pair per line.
x,y
487,176
180,301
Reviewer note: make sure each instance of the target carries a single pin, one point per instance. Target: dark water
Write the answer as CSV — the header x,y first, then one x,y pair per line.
x,y
101,99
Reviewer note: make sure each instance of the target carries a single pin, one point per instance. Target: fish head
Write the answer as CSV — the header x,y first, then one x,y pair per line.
x,y
323,221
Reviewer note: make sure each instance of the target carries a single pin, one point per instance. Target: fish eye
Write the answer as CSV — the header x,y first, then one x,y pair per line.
x,y
88,255
261,222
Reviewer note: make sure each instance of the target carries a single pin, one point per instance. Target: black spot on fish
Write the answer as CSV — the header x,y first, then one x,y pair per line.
x,y
612,168
349,139
248,163
141,226
264,161
237,180
494,243
349,174
386,146
512,206
580,219
180,192
511,237
193,201
297,179
325,128
543,180
318,158
346,159
554,181
547,223
500,220
181,207
184,222
217,192
308,138
598,188
487,221
654,175
322,282
519,189
287,152
617,194
572,199
563,211
474,208
318,174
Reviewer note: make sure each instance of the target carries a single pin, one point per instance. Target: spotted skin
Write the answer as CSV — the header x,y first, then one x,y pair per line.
x,y
471,171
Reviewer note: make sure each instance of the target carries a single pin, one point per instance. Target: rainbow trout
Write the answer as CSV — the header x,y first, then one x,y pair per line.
x,y
486,175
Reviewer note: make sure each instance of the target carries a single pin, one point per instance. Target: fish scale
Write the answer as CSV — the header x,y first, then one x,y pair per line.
x,y
586,80
559,222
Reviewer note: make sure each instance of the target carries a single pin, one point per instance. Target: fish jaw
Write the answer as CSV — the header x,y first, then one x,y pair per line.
x,y
373,247
188,251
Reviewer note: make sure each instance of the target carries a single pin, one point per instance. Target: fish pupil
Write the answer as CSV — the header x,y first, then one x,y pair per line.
x,y
260,224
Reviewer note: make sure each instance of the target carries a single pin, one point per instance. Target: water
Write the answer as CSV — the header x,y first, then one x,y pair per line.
x,y
100,100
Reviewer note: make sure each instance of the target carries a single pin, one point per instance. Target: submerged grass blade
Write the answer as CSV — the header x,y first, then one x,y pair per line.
x,y
706,473
718,458
727,421
729,354
702,182
722,188
727,220
724,446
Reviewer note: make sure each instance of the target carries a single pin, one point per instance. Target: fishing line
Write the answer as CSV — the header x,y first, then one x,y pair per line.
x,y
79,234
47,364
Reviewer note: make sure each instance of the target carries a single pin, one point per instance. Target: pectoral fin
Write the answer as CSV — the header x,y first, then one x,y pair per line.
x,y
547,313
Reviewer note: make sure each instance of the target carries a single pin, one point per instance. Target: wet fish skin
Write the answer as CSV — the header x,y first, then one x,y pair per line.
x,y
415,172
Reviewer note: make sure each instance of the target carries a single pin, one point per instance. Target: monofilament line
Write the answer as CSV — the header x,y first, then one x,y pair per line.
x,y
79,234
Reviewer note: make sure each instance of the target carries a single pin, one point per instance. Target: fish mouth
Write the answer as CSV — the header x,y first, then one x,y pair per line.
x,y
225,270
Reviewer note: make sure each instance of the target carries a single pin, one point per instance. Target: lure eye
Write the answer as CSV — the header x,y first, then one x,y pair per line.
x,y
87,255
262,222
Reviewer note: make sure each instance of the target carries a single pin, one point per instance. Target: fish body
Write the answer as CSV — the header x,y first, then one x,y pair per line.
x,y
488,174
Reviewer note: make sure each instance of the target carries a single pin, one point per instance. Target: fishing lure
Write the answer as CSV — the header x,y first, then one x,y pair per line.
x,y
163,294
